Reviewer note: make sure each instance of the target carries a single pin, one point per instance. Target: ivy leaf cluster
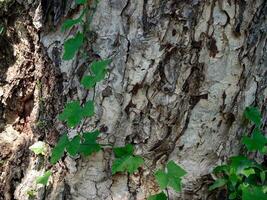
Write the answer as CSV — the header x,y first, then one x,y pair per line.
x,y
72,45
99,70
74,113
245,178
171,176
85,145
125,160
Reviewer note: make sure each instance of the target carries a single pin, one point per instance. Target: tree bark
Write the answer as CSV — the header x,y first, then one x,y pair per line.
x,y
182,73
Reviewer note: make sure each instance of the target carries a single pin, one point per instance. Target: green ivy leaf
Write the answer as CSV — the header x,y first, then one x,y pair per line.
x,y
99,69
233,195
72,45
256,142
162,179
263,176
88,109
218,183
124,151
73,146
39,148
44,179
127,164
172,178
59,149
175,170
88,82
221,169
253,193
72,113
89,145
80,1
253,114
160,196
71,22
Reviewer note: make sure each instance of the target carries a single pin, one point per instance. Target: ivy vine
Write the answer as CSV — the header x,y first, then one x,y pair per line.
x,y
243,178
85,143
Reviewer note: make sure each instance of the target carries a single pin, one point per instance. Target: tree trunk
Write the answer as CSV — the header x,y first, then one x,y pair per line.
x,y
182,73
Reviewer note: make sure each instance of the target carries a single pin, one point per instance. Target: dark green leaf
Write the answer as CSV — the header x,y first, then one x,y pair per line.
x,y
73,146
256,142
99,69
160,196
162,179
253,193
80,1
175,183
89,145
44,179
72,113
221,169
253,114
88,109
59,149
123,151
127,164
217,184
233,195
72,45
88,82
71,22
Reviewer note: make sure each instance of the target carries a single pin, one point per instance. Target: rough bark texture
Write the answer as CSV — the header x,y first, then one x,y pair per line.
x,y
181,76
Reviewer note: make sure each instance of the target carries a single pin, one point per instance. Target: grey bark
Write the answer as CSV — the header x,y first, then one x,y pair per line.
x,y
182,74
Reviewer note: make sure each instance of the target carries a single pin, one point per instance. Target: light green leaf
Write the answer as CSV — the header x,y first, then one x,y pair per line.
x,y
218,183
44,179
247,172
263,176
73,146
39,148
256,142
72,45
59,149
160,196
175,170
123,151
127,164
89,145
253,114
162,179
172,178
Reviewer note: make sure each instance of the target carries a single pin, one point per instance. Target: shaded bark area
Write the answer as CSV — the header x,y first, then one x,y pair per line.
x,y
181,76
